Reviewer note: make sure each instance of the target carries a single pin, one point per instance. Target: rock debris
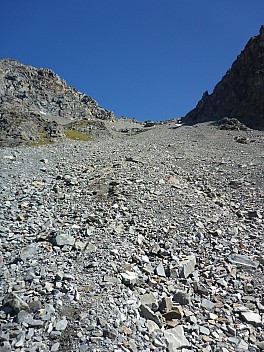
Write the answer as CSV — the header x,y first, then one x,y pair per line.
x,y
143,242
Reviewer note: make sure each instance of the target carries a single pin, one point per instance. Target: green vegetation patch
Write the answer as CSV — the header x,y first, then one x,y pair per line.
x,y
77,135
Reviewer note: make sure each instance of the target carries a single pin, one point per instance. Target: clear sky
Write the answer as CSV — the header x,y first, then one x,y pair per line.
x,y
147,59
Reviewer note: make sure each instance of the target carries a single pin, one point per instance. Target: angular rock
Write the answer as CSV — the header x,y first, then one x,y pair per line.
x,y
25,317
187,266
64,240
129,278
207,304
148,314
16,302
182,297
251,318
61,325
159,270
29,251
149,300
176,339
243,260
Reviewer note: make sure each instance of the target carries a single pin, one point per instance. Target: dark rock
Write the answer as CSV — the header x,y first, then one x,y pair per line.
x,y
240,92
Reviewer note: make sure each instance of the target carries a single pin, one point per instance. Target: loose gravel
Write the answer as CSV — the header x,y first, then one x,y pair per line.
x,y
146,241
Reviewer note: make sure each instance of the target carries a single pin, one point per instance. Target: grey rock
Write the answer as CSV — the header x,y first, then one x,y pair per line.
x,y
84,348
61,325
29,251
251,318
204,330
187,266
6,347
25,317
160,270
55,347
182,297
148,314
64,240
243,260
149,300
176,339
129,278
232,96
16,302
207,304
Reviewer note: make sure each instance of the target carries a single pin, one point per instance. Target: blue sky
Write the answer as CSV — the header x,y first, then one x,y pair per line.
x,y
147,59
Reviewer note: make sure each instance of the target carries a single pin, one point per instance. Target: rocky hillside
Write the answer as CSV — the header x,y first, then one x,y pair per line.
x,y
37,104
240,93
137,243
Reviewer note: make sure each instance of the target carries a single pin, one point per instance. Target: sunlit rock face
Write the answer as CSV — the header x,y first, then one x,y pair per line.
x,y
34,101
240,93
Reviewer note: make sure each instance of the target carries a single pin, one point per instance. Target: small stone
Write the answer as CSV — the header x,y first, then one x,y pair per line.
x,y
254,214
204,330
55,347
61,325
251,318
34,306
175,339
200,289
132,346
80,245
127,330
149,300
111,279
111,333
16,302
29,252
187,266
152,326
148,314
207,304
182,297
45,161
243,260
159,270
242,346
26,318
20,339
83,348
129,278
64,240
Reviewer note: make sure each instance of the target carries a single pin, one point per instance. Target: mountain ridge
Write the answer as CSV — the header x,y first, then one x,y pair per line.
x,y
34,99
240,92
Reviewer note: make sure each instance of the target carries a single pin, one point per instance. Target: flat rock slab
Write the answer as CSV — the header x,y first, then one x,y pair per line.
x,y
252,318
176,339
243,260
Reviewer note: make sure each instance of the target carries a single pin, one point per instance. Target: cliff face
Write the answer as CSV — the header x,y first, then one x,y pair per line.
x,y
34,101
240,93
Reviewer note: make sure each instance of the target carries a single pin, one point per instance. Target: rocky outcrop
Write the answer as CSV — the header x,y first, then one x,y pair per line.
x,y
32,100
240,93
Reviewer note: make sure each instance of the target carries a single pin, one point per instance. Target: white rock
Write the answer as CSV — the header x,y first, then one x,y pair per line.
x,y
252,318
175,338
129,278
187,266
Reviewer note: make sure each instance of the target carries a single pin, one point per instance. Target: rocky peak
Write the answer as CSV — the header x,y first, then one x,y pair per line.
x,y
240,93
33,98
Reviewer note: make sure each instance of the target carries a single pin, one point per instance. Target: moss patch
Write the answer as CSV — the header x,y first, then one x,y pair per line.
x,y
77,135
